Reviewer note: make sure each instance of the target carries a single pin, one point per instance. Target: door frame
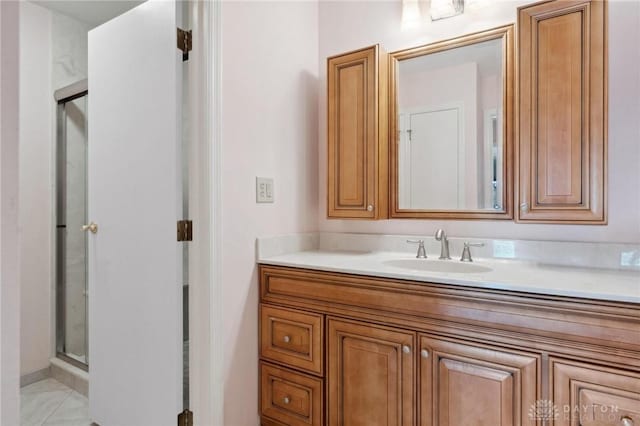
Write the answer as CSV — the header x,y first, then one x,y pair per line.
x,y
206,374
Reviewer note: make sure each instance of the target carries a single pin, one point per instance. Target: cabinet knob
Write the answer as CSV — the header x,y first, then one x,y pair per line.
x,y
406,349
286,400
424,353
370,208
626,421
286,339
524,207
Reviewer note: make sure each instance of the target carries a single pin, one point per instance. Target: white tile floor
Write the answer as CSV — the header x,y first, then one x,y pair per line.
x,y
50,403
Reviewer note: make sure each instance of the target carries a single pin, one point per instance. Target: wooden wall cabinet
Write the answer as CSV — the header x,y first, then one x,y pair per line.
x,y
562,104
357,135
400,353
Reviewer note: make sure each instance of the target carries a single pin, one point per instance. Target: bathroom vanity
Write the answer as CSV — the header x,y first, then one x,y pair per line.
x,y
365,337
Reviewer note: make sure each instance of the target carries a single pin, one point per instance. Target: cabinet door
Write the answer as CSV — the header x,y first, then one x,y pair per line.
x,y
371,375
587,395
467,385
562,125
356,155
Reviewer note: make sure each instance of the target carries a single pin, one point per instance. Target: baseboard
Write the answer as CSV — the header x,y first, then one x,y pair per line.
x,y
36,376
70,375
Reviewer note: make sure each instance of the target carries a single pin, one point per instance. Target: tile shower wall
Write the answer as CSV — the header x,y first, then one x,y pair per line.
x,y
53,55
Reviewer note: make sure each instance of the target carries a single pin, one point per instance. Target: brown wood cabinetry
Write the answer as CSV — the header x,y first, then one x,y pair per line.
x,y
465,384
292,398
371,374
357,135
396,352
292,337
562,132
591,395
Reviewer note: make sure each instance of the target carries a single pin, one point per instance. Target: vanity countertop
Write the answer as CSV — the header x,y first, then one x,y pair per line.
x,y
511,275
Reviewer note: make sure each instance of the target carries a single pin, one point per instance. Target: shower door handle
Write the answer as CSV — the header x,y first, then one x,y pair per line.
x,y
90,227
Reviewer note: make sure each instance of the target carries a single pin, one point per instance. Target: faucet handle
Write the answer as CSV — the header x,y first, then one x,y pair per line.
x,y
466,251
422,254
468,244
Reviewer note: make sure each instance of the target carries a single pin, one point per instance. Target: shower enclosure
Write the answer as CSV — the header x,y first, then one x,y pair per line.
x,y
71,215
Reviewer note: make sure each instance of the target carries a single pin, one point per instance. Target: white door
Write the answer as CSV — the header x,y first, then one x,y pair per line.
x,y
435,157
135,264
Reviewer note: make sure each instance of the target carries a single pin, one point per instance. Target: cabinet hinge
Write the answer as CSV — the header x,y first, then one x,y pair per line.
x,y
185,418
185,230
185,43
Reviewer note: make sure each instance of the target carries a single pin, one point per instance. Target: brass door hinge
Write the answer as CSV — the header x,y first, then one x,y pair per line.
x,y
185,418
185,43
185,230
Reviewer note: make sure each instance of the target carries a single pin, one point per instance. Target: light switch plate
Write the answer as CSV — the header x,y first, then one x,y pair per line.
x,y
264,190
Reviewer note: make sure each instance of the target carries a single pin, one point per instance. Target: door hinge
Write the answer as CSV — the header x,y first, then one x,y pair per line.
x,y
185,43
185,418
185,230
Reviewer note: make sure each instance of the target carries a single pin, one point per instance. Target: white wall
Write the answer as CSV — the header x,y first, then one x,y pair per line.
x,y
36,150
269,128
9,260
348,25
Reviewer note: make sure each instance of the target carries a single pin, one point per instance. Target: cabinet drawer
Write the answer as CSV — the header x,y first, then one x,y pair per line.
x,y
288,397
595,396
292,337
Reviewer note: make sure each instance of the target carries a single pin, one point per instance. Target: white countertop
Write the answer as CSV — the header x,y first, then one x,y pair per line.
x,y
512,275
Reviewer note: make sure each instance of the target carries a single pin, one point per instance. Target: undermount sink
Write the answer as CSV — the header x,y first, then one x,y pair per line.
x,y
437,266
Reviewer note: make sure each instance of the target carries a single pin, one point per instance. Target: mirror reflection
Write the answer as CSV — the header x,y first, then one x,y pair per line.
x,y
450,147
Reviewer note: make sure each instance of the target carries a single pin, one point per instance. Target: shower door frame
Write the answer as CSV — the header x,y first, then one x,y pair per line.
x,y
63,96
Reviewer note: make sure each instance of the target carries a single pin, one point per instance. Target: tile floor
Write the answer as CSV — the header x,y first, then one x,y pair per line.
x,y
50,403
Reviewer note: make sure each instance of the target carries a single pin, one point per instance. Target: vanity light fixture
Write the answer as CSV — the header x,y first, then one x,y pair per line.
x,y
410,14
441,9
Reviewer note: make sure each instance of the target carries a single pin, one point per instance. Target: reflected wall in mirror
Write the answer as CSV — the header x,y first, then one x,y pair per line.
x,y
452,120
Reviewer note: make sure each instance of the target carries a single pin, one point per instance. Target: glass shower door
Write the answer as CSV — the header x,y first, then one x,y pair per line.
x,y
71,240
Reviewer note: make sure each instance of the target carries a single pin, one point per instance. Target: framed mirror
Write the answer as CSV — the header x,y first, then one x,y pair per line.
x,y
451,127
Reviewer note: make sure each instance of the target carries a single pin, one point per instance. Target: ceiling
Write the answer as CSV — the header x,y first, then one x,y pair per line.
x,y
91,12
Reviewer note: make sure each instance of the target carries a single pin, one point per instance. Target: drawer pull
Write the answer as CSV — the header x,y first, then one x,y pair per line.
x,y
626,421
286,339
424,353
406,349
286,400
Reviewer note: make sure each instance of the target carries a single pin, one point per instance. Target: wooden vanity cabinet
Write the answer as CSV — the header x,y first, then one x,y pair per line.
x,y
562,129
371,377
591,395
462,383
357,135
370,351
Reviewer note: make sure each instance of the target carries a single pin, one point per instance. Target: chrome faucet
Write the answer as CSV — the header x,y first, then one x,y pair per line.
x,y
444,244
422,254
466,251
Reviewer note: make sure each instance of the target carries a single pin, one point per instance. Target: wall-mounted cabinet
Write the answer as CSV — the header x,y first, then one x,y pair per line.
x,y
357,135
562,112
428,132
